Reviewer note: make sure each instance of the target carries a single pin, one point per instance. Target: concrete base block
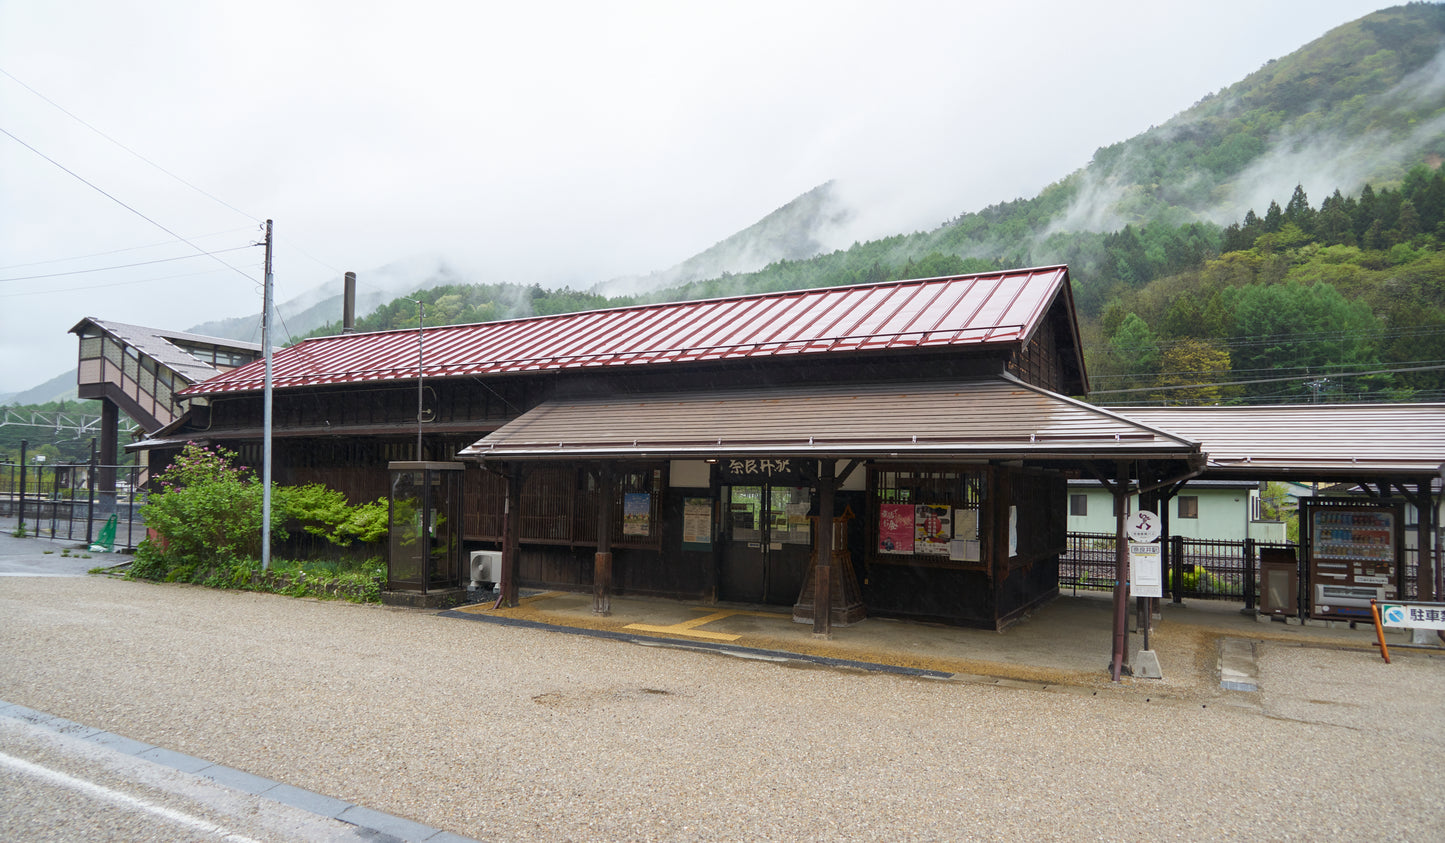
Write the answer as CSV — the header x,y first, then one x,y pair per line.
x,y
440,599
1237,668
1146,665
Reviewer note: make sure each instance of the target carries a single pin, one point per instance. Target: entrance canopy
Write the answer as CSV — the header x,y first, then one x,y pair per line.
x,y
997,417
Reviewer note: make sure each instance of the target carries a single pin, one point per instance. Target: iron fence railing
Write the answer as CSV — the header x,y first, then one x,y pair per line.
x,y
1209,569
67,501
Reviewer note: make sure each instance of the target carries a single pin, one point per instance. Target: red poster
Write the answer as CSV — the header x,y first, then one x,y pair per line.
x,y
895,528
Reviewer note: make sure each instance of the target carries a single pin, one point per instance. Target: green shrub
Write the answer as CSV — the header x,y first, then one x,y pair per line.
x,y
207,514
324,513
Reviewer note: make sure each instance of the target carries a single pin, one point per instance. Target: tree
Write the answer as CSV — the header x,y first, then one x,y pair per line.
x,y
1273,218
1334,229
1299,212
1409,222
1187,365
1135,347
1293,330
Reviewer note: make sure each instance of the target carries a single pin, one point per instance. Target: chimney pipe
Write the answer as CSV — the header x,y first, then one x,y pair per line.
x,y
348,306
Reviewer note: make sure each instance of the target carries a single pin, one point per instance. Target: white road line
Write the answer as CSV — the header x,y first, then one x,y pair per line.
x,y
99,792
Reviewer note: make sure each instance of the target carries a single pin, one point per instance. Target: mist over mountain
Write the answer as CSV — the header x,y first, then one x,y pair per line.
x,y
322,305
800,229
1365,103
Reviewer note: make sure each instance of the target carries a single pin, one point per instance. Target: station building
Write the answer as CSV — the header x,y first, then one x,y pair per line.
x,y
692,450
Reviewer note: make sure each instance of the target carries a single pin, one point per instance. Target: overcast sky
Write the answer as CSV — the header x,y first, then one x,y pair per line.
x,y
556,143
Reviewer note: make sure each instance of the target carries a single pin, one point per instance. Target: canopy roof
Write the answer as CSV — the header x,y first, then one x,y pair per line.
x,y
1310,440
996,417
988,309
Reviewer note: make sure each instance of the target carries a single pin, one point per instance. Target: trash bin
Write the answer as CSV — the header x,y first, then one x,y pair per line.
x,y
1279,581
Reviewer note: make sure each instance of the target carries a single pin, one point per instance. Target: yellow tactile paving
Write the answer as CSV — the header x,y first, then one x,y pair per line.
x,y
486,607
690,628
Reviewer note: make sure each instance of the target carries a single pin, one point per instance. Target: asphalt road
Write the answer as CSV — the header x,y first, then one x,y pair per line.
x,y
499,733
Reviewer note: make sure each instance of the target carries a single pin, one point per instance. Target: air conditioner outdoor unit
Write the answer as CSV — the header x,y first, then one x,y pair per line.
x,y
486,567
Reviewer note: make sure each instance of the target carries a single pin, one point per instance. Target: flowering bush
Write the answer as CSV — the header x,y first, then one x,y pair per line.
x,y
206,508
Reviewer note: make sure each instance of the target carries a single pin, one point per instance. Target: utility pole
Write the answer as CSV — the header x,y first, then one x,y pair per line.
x,y
420,362
266,412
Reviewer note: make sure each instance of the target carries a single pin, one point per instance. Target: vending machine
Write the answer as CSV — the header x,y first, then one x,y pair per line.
x,y
1355,554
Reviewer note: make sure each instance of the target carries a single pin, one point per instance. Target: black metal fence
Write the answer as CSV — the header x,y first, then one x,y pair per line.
x,y
1208,569
68,502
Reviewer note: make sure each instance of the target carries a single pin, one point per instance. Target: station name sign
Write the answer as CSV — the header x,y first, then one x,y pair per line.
x,y
757,471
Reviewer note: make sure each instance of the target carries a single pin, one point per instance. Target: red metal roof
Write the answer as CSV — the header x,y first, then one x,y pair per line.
x,y
968,310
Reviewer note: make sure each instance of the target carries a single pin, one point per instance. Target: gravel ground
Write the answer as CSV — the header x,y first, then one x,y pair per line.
x,y
510,734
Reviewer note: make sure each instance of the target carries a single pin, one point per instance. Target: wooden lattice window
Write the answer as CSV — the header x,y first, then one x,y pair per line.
x,y
919,516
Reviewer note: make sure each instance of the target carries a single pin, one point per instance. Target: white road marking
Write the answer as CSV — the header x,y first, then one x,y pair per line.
x,y
100,792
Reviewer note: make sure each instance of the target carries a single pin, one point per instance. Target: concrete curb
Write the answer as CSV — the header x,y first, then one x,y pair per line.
x,y
705,646
371,823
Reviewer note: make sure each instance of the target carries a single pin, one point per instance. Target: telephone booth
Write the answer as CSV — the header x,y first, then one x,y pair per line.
x,y
425,543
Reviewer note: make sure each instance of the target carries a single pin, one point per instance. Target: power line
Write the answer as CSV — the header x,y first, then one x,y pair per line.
x,y
117,251
112,198
1264,380
158,167
62,110
104,286
120,266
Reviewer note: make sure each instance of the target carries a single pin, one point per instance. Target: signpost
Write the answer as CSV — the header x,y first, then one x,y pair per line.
x,y
1399,614
1145,575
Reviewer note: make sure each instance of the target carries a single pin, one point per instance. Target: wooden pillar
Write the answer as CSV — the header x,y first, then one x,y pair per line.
x,y
109,453
1121,573
1427,560
511,528
602,563
823,573
1174,562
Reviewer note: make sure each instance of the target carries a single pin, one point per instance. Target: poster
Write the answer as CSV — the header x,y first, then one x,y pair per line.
x,y
965,523
1013,532
636,514
932,529
697,522
964,550
895,528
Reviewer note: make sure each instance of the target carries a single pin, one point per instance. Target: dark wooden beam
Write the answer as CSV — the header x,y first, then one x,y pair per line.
x,y
602,562
823,572
511,530
1121,573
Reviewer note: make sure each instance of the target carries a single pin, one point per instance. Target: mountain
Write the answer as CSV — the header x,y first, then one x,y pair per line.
x,y
1363,103
798,230
321,306
58,388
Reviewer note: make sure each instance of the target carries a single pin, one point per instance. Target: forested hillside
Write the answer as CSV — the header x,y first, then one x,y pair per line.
x,y
1344,301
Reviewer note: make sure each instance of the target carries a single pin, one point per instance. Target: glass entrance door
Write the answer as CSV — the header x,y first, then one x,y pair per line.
x,y
766,545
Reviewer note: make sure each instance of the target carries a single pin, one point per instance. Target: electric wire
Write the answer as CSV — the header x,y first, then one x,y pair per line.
x,y
67,113
106,286
119,251
116,200
120,266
